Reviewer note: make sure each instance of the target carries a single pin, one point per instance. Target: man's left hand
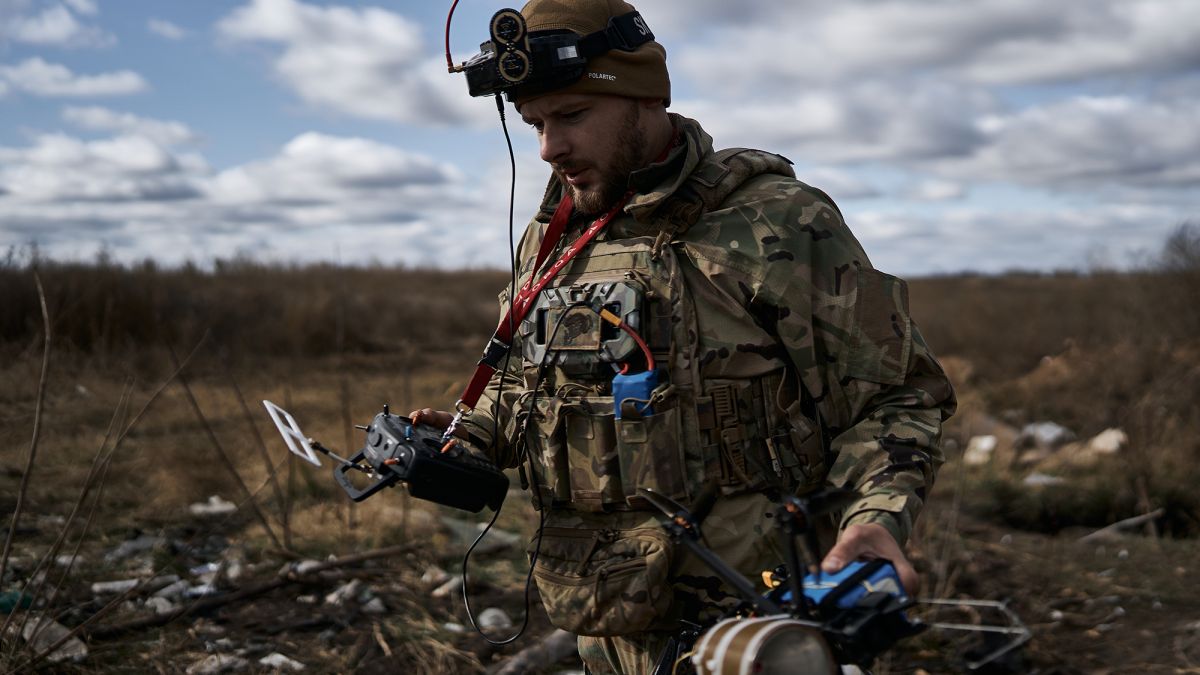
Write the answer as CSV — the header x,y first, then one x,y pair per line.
x,y
869,541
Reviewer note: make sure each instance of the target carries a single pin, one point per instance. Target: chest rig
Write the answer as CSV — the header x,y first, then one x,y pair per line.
x,y
747,434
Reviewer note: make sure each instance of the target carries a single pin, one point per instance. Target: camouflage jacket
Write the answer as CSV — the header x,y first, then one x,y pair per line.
x,y
776,255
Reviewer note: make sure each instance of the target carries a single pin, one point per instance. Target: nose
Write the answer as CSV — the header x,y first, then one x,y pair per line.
x,y
553,145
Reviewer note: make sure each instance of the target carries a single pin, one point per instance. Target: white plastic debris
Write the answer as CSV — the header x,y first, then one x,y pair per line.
x,y
200,590
494,618
979,450
217,664
105,587
1108,442
49,633
132,547
453,585
452,627
173,591
160,605
374,606
1045,435
434,576
281,663
215,506
345,593
1041,479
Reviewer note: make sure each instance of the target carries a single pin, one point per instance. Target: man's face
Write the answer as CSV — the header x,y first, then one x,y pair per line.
x,y
593,142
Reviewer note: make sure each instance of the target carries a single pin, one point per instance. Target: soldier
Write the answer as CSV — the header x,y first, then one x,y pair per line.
x,y
776,358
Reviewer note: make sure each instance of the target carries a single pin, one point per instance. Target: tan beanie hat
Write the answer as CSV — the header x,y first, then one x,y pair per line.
x,y
641,73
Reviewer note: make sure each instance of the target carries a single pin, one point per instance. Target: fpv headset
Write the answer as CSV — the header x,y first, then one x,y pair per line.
x,y
544,60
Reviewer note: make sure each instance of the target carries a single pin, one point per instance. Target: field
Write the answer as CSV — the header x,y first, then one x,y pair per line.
x,y
147,403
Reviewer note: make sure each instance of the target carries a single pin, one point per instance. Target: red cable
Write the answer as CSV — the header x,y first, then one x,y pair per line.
x,y
641,343
449,61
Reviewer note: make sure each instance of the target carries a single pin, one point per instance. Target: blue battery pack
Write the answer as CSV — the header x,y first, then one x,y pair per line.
x,y
844,589
636,388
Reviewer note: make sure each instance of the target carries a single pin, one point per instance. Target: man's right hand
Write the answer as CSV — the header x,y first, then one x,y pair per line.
x,y
436,418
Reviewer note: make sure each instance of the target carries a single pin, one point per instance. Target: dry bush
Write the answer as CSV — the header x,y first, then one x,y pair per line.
x,y
1088,351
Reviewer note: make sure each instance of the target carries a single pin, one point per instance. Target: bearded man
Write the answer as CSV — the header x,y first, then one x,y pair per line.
x,y
776,359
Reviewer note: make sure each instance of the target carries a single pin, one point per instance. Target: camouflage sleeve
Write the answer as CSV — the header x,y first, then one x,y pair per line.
x,y
489,425
880,392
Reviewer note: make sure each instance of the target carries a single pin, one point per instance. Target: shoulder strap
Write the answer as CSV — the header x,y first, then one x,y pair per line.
x,y
712,181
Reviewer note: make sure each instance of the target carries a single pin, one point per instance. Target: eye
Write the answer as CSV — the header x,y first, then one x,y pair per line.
x,y
536,126
574,115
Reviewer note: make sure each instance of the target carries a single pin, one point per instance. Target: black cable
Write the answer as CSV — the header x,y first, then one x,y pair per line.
x,y
541,506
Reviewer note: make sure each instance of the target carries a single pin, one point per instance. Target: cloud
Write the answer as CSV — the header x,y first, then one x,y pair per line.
x,y
865,121
838,184
41,78
87,7
1089,141
57,169
957,238
55,26
96,118
981,42
366,62
165,29
316,168
934,190
320,197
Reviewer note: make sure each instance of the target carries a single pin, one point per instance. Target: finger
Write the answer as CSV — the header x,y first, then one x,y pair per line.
x,y
846,550
908,576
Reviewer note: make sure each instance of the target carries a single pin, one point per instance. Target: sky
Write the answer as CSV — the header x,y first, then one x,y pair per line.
x,y
955,135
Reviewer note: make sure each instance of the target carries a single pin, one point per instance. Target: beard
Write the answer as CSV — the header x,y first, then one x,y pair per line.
x,y
613,180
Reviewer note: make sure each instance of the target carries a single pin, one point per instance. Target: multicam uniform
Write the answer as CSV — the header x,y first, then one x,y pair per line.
x,y
790,364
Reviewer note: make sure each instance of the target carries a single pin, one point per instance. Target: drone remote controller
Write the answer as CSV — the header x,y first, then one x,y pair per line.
x,y
399,450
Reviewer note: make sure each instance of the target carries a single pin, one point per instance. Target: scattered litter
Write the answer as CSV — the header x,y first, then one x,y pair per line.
x,y
215,506
1056,615
1123,554
1041,479
216,664
206,568
1108,442
51,632
133,547
299,568
453,585
173,591
66,560
10,600
160,605
979,450
104,587
280,662
374,606
306,599
435,576
494,618
345,593
200,590
452,627
1006,540
1044,435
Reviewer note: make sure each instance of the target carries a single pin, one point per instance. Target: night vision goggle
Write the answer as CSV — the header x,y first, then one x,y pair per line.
x,y
516,59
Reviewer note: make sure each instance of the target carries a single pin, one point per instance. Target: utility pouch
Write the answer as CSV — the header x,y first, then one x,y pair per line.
x,y
591,447
547,449
604,582
649,447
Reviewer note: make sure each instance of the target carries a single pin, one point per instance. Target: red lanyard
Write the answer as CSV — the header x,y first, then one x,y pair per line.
x,y
502,340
